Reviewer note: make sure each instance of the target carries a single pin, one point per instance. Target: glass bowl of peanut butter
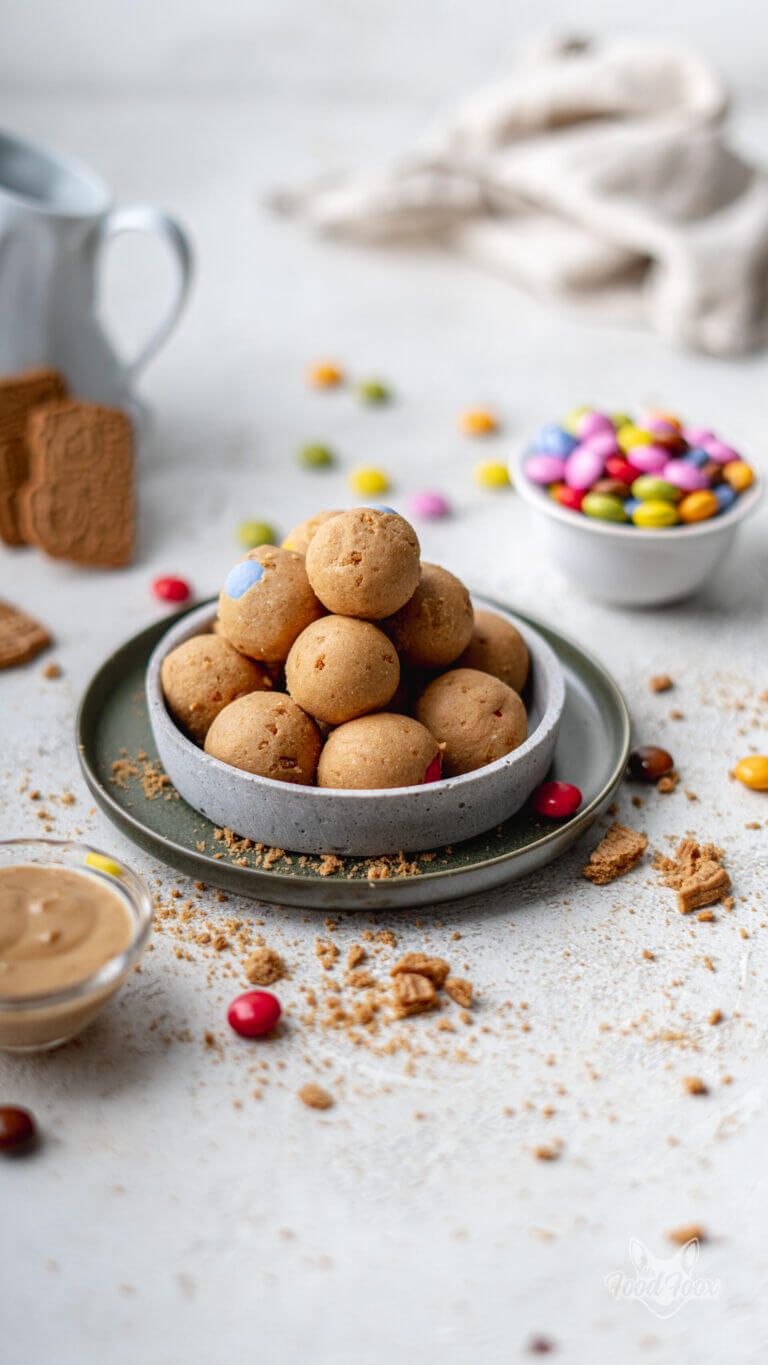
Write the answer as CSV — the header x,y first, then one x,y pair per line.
x,y
73,923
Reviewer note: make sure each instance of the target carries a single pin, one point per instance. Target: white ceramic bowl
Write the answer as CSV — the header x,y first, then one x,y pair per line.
x,y
628,565
318,820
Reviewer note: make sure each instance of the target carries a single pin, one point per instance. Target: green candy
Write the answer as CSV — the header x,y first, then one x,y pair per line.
x,y
604,507
316,457
621,419
373,391
658,489
253,533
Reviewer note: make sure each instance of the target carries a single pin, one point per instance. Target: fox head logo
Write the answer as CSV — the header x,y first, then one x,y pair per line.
x,y
663,1283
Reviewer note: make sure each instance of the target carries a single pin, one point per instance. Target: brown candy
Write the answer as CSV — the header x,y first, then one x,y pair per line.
x,y
615,487
17,1128
648,764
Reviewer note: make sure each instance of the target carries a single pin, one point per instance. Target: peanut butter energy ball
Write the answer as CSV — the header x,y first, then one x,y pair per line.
x,y
433,628
339,668
379,751
298,539
202,676
364,563
497,647
266,602
268,734
477,717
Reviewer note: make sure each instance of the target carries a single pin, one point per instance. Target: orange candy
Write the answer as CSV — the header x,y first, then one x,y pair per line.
x,y
698,506
324,374
738,474
477,422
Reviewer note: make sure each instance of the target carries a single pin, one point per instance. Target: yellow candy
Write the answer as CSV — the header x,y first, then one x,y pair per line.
x,y
491,474
629,436
571,422
325,374
654,513
368,480
698,506
477,422
753,772
103,864
738,474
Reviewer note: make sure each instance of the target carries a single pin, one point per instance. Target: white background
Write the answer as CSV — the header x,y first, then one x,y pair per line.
x,y
152,1224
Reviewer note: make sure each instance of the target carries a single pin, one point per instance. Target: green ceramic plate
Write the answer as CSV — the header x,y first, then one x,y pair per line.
x,y
591,751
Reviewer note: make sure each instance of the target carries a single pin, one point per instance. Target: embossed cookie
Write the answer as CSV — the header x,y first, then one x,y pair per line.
x,y
21,637
19,394
79,503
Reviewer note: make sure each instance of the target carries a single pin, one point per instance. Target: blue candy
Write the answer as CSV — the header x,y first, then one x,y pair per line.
x,y
725,495
696,456
552,440
631,505
378,507
242,577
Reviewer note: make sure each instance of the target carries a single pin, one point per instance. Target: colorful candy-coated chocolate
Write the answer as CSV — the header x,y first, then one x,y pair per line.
x,y
631,505
696,435
725,495
647,763
253,533
556,800
654,513
615,487
738,475
554,440
696,456
629,436
325,374
616,467
683,475
571,422
104,864
492,474
592,423
545,469
572,498
719,451
428,505
315,456
603,507
648,487
649,459
660,428
17,1128
621,419
753,772
367,480
603,443
713,472
433,772
170,589
254,1013
699,506
477,422
372,391
583,468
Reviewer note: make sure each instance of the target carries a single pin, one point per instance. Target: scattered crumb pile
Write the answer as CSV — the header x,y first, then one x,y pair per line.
x,y
264,967
695,873
147,771
617,852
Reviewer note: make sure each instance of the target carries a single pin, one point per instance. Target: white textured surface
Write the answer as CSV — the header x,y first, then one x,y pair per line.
x,y
152,1225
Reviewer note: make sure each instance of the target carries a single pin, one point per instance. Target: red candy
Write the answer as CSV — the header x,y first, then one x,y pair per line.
x,y
568,497
254,1013
556,800
17,1128
618,468
171,589
433,771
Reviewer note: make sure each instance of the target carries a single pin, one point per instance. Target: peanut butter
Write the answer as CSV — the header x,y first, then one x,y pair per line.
x,y
57,927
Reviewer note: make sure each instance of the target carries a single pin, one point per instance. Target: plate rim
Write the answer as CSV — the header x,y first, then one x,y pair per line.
x,y
575,825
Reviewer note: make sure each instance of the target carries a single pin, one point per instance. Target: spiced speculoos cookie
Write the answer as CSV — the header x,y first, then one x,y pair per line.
x,y
19,394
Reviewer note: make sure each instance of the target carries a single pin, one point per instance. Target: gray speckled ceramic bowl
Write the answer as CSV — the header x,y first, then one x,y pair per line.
x,y
315,820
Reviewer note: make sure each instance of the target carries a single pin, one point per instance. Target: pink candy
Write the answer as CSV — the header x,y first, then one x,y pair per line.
x,y
429,505
719,451
593,423
650,459
584,467
684,475
603,443
545,469
697,436
658,426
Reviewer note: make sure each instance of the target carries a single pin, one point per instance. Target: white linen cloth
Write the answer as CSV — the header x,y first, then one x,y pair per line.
x,y
593,172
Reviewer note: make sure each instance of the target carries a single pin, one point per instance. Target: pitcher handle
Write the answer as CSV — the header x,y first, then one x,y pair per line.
x,y
147,218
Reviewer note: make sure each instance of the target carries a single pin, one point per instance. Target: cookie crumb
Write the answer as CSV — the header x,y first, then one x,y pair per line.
x,y
412,993
688,1233
459,990
315,1097
617,853
715,1017
660,682
546,1153
436,968
264,967
52,671
694,1085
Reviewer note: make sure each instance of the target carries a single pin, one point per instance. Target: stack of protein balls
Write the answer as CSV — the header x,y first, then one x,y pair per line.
x,y
339,658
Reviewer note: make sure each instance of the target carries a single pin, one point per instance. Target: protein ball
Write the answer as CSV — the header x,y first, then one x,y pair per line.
x,y
298,539
496,647
202,676
379,751
268,734
435,626
364,563
266,602
340,667
475,716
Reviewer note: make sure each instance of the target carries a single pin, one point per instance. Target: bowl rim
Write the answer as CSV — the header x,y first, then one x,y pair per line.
x,y
538,497
156,702
135,890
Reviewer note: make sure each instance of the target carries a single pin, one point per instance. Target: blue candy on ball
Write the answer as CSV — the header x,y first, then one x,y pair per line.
x,y
242,577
